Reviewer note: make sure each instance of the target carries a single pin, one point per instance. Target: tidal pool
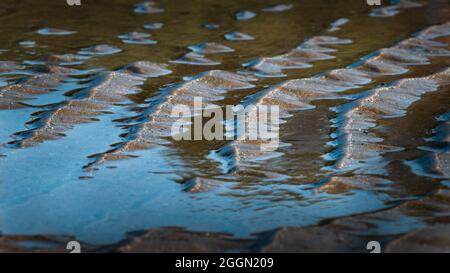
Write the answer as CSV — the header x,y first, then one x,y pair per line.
x,y
86,91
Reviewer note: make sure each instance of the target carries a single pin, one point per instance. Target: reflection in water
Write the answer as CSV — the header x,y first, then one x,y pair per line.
x,y
100,80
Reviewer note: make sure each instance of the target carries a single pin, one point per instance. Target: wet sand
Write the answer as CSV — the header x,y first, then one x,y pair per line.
x,y
86,150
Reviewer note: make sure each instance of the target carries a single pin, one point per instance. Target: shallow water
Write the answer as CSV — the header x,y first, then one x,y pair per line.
x,y
84,121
